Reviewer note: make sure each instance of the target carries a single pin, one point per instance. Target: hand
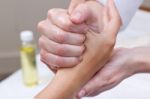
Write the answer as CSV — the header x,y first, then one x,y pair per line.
x,y
63,45
124,63
74,4
62,39
99,49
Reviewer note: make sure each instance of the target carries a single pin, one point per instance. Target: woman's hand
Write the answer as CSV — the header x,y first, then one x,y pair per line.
x,y
99,46
74,4
123,63
63,36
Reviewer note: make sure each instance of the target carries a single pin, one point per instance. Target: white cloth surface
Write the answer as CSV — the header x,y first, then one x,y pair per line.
x,y
135,87
126,8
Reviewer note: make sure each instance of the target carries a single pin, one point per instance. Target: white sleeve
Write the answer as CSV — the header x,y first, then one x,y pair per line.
x,y
126,8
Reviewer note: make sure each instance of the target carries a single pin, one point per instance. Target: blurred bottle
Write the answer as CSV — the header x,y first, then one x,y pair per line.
x,y
28,59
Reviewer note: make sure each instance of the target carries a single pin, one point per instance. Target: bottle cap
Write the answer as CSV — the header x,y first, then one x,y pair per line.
x,y
26,36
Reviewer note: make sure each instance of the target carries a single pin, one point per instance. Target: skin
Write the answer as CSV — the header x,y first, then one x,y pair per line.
x,y
74,4
123,64
63,88
66,35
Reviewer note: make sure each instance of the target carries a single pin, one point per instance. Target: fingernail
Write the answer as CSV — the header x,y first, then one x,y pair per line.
x,y
81,93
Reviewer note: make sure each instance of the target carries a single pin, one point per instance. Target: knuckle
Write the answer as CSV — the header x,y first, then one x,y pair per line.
x,y
75,62
59,61
60,37
107,80
50,12
82,49
44,58
66,25
41,42
111,81
60,50
43,55
41,26
83,38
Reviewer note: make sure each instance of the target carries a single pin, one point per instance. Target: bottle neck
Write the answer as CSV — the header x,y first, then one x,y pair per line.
x,y
26,43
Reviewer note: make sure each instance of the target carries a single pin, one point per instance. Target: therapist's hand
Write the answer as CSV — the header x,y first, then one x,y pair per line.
x,y
63,35
75,3
64,46
124,63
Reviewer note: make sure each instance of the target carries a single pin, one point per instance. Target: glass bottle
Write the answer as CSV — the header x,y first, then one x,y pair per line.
x,y
28,59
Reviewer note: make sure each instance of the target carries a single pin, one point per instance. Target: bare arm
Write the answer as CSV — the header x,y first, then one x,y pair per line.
x,y
68,81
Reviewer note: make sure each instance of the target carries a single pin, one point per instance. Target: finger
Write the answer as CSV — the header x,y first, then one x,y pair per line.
x,y
91,87
105,79
114,81
85,13
114,15
97,84
60,18
80,14
74,3
105,17
113,12
115,22
53,69
58,35
64,50
55,61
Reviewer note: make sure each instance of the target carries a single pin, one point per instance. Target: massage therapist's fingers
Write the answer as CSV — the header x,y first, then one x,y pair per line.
x,y
60,18
113,11
111,19
55,61
64,50
58,35
74,4
53,69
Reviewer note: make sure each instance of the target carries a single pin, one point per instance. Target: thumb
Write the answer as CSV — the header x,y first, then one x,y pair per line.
x,y
111,18
91,88
74,3
80,14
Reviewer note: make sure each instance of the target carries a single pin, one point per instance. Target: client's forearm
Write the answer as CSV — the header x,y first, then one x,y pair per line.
x,y
99,46
68,81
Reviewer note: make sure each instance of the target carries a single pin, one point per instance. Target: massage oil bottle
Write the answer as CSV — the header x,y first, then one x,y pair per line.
x,y
28,59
